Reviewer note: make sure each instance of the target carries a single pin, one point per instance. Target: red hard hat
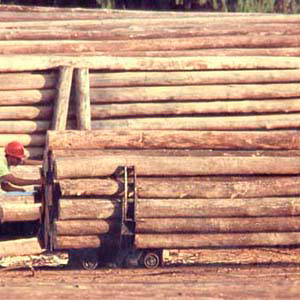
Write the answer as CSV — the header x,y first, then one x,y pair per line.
x,y
15,149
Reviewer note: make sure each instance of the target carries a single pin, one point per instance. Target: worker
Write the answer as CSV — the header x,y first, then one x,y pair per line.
x,y
14,156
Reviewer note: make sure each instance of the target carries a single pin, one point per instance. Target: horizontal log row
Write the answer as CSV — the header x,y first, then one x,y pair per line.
x,y
166,44
8,199
15,63
274,121
173,139
154,209
106,165
30,81
216,240
191,187
181,225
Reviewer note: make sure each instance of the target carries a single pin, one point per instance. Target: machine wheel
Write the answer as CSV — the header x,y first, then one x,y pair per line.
x,y
89,260
151,260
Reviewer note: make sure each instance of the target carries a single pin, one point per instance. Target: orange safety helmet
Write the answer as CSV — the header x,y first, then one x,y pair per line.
x,y
15,149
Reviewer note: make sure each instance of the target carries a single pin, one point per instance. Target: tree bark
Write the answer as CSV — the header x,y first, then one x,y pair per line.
x,y
84,227
14,63
61,105
81,242
173,139
25,113
217,225
220,240
27,81
84,187
192,43
28,246
122,79
218,187
186,93
23,127
82,96
106,165
74,209
24,139
26,97
104,111
16,212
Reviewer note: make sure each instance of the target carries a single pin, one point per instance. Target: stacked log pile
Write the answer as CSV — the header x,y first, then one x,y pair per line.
x,y
186,198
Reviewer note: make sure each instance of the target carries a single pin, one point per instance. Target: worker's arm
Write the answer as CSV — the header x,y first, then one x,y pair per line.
x,y
7,187
10,178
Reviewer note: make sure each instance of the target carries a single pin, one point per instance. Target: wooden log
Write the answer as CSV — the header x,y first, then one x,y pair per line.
x,y
173,139
26,97
244,256
25,113
24,139
106,165
84,227
27,81
77,209
83,187
14,63
82,97
275,121
81,242
291,51
61,105
23,127
23,246
25,199
220,240
173,109
16,212
183,21
218,187
149,32
61,46
74,209
217,225
26,171
186,93
122,79
218,208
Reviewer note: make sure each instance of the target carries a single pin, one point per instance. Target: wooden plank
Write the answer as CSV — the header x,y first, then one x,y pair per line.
x,y
220,240
173,139
106,165
82,97
61,105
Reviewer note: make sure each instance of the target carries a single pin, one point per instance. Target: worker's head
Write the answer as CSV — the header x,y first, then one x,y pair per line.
x,y
14,152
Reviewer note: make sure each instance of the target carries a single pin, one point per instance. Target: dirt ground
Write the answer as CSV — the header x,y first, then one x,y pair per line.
x,y
169,282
